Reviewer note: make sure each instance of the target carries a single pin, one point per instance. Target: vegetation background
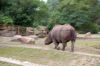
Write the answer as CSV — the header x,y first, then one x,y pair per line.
x,y
84,15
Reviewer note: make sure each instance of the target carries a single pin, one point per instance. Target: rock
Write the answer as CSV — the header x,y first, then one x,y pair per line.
x,y
88,35
33,36
41,31
16,38
30,31
27,40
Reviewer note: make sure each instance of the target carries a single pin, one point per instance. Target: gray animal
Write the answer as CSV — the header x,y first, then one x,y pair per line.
x,y
61,34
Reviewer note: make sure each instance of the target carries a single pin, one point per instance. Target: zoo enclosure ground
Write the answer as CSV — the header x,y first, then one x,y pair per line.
x,y
51,57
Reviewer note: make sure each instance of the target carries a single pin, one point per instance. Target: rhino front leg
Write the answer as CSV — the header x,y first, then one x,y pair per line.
x,y
72,46
64,45
56,45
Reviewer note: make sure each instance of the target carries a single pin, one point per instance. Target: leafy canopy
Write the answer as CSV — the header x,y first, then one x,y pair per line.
x,y
24,12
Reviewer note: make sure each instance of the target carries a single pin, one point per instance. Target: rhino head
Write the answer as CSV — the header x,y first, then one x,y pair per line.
x,y
48,40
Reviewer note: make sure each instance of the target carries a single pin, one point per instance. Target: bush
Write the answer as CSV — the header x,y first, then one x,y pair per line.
x,y
50,26
5,20
89,27
95,28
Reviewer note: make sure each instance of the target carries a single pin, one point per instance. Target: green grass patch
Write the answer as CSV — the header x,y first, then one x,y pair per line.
x,y
54,58
88,42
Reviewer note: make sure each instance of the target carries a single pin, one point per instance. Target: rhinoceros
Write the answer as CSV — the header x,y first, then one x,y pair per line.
x,y
62,34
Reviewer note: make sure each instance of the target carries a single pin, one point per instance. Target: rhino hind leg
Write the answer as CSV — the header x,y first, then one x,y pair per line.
x,y
64,46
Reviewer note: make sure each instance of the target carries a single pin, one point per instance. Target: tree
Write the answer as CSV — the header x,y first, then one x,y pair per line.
x,y
53,17
79,13
82,14
77,10
24,12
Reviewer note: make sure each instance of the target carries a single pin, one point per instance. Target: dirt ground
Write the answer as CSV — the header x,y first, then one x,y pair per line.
x,y
83,45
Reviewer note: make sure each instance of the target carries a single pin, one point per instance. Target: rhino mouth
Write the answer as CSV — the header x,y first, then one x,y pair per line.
x,y
47,43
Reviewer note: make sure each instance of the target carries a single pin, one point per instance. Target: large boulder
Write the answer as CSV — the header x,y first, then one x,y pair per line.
x,y
24,39
27,40
16,38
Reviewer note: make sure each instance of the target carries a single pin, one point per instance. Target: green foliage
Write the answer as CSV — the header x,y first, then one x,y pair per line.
x,y
53,19
54,14
76,13
82,14
25,12
50,26
95,28
52,4
89,27
6,20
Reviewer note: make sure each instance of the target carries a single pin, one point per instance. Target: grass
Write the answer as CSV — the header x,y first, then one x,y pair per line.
x,y
83,42
80,45
88,43
7,64
45,57
38,56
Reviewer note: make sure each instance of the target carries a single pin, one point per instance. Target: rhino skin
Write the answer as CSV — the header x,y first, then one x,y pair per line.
x,y
62,34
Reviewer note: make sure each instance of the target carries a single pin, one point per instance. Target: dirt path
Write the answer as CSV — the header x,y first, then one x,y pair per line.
x,y
18,62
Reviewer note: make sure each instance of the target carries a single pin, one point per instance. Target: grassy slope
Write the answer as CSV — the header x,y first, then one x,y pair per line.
x,y
45,57
38,56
